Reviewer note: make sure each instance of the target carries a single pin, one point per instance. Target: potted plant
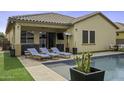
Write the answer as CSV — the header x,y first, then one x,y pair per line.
x,y
74,49
83,70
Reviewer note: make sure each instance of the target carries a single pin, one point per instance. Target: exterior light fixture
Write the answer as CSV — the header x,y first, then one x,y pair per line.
x,y
67,37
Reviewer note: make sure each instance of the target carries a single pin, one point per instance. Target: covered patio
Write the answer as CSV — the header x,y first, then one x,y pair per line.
x,y
35,36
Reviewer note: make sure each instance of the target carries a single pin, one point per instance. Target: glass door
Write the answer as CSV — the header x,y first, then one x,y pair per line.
x,y
43,39
51,40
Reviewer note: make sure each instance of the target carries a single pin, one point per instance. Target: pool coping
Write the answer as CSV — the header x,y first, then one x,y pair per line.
x,y
94,56
118,53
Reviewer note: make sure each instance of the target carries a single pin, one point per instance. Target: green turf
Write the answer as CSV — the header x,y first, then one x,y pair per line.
x,y
12,70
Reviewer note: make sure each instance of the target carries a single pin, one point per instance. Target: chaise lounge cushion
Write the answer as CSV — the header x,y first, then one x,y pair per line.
x,y
45,51
56,50
34,52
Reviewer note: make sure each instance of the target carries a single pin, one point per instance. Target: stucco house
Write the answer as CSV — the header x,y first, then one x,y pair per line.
x,y
120,33
92,32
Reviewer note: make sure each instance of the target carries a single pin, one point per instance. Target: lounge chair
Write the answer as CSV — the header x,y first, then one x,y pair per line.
x,y
45,51
56,50
35,53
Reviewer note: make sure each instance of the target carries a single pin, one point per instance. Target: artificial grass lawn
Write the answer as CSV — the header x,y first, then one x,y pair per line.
x,y
12,70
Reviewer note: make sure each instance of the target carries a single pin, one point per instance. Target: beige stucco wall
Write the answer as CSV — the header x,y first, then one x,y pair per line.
x,y
17,38
36,37
120,35
7,36
71,38
10,37
14,37
104,34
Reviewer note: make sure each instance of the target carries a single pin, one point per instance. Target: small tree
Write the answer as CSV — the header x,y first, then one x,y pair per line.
x,y
2,36
2,40
84,62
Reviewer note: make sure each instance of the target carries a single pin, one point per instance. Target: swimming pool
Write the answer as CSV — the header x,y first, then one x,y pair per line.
x,y
113,66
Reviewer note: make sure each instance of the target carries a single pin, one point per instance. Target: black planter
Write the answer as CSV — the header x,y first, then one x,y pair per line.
x,y
12,52
67,49
74,50
94,75
116,48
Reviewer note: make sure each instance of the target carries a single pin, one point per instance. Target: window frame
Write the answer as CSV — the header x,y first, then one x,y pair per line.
x,y
89,37
27,38
84,37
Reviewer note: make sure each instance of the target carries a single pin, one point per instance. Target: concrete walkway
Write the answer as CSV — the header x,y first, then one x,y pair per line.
x,y
40,72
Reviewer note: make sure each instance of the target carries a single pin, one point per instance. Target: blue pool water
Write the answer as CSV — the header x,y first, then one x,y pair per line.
x,y
113,66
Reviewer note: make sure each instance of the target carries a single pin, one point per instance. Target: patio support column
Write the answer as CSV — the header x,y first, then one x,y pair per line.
x,y
36,38
17,40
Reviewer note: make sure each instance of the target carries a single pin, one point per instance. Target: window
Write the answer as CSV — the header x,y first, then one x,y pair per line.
x,y
27,37
85,36
88,37
23,37
60,36
92,36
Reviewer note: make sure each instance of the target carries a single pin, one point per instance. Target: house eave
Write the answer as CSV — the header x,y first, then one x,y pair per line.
x,y
10,23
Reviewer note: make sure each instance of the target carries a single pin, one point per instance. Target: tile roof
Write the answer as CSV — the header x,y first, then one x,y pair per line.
x,y
84,17
121,27
45,18
55,18
119,24
52,18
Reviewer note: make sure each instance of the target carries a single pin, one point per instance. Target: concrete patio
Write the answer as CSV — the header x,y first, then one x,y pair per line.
x,y
38,71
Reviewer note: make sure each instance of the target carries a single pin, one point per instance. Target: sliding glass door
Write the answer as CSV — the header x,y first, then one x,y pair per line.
x,y
51,40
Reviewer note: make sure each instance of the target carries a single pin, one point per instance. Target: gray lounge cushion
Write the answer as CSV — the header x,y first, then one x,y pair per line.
x,y
34,52
45,51
56,50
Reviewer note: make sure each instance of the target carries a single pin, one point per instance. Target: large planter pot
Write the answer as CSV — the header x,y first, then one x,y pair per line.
x,y
94,75
12,52
74,50
116,48
67,49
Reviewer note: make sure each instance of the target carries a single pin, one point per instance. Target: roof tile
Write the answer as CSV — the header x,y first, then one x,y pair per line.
x,y
47,17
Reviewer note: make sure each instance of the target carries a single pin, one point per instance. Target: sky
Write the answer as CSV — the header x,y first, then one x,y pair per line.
x,y
115,16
